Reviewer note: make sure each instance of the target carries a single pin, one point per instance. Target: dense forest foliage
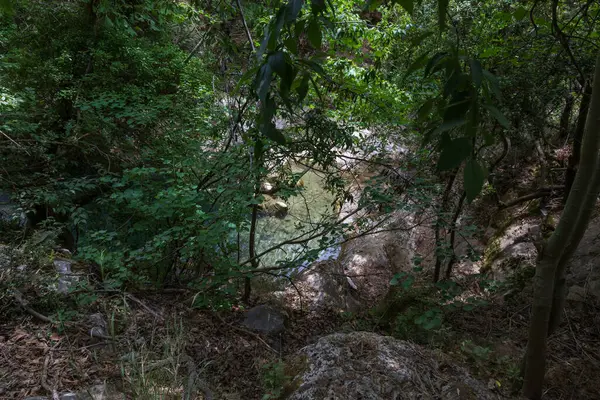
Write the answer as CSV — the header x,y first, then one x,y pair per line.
x,y
170,147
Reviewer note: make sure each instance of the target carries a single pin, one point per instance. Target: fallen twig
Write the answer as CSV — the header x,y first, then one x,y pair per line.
x,y
144,306
18,296
539,193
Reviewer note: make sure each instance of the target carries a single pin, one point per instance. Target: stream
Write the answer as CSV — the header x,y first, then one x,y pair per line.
x,y
304,211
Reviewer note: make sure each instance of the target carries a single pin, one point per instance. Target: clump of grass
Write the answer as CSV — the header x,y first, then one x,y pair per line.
x,y
157,368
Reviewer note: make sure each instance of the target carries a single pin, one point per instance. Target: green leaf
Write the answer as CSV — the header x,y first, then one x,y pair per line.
x,y
493,82
419,38
408,5
498,115
265,75
315,66
278,63
396,278
425,110
273,133
291,44
408,282
433,63
314,34
458,107
454,153
476,72
449,125
520,13
245,78
474,177
317,6
433,323
303,87
299,28
293,10
418,63
7,7
275,28
473,120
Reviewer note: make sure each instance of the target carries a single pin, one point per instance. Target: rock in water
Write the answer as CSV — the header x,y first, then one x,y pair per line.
x,y
274,207
267,188
368,366
265,319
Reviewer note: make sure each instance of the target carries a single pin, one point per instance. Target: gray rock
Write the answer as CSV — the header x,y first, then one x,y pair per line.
x,y
368,366
63,267
274,207
265,319
66,277
267,188
98,325
323,285
10,212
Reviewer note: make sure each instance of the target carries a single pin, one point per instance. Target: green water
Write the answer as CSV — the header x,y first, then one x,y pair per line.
x,y
306,209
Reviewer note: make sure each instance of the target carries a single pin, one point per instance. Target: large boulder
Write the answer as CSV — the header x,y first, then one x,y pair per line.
x,y
368,366
513,248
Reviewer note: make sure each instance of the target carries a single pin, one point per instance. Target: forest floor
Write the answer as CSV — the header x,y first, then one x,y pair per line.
x,y
151,337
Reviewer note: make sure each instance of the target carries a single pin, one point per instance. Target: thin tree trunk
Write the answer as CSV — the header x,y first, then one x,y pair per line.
x,y
248,35
438,225
251,253
571,222
457,212
576,145
565,117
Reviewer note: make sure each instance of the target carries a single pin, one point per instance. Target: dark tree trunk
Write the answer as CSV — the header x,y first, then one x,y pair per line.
x,y
565,117
576,144
453,227
439,258
565,239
